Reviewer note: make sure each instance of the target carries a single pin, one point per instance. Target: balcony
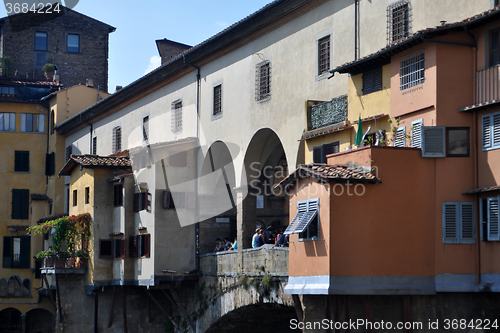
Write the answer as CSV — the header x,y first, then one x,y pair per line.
x,y
487,86
64,265
321,114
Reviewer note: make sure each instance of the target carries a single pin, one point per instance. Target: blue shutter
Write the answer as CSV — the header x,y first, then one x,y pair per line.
x,y
468,225
312,211
493,223
486,132
496,130
302,209
433,141
450,222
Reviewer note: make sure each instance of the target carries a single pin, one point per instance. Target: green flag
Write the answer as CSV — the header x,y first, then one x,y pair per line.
x,y
359,134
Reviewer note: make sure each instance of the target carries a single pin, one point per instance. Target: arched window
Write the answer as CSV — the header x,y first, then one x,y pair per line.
x,y
26,287
14,286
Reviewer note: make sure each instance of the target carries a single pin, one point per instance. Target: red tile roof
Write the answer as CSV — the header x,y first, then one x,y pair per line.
x,y
95,161
484,189
327,173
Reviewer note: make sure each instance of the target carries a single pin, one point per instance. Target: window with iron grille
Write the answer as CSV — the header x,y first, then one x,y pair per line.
x,y
94,145
117,139
263,81
399,21
411,71
217,100
145,128
176,120
324,55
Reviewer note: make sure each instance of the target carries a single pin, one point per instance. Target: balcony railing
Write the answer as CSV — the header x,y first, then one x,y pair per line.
x,y
488,85
53,262
327,113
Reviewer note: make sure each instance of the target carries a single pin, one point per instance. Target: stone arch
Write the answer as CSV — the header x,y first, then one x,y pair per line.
x,y
262,317
14,286
10,320
40,321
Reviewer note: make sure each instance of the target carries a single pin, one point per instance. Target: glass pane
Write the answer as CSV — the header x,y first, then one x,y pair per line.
x,y
12,117
12,90
40,60
41,123
73,43
4,122
29,123
458,140
40,41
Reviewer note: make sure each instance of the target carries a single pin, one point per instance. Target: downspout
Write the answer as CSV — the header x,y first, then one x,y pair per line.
x,y
91,130
356,4
196,225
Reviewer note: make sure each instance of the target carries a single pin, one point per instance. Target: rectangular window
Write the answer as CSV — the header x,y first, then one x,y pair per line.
x,y
6,90
20,204
50,164
117,139
399,21
491,131
372,80
87,195
7,122
32,122
118,195
411,71
458,223
40,60
494,52
94,145
306,222
176,119
142,201
73,43
105,249
416,133
16,252
490,219
217,100
119,248
41,41
75,198
263,81
69,152
324,55
145,129
400,137
22,161
457,142
139,246
320,152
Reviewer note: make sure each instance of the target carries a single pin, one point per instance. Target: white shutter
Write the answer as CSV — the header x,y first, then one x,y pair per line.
x,y
416,133
433,141
306,219
468,225
302,209
493,223
450,222
400,137
486,132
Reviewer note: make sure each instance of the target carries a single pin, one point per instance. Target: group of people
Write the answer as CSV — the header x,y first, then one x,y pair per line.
x,y
225,245
262,237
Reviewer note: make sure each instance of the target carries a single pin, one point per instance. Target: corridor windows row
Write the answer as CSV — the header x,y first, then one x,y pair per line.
x,y
42,42
15,287
139,247
30,122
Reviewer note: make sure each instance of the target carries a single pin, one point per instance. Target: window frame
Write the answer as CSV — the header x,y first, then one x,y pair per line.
x,y
487,224
448,129
416,133
87,195
32,123
323,67
105,244
457,237
74,198
372,80
119,248
11,122
145,129
118,195
67,43
20,204
325,149
263,81
490,132
395,30
46,47
68,152
21,161
176,115
400,137
217,110
307,215
117,139
412,70
24,252
94,145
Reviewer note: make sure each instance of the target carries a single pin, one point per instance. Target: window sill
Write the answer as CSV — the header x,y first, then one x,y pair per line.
x,y
309,239
322,76
215,117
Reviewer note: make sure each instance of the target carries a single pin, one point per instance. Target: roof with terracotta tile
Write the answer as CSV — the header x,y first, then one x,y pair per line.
x,y
421,36
484,189
327,173
95,161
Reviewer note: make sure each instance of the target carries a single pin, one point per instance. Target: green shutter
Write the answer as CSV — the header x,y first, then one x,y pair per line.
x,y
22,161
25,252
20,204
7,252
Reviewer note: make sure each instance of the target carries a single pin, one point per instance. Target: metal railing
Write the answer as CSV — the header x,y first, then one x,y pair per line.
x,y
488,85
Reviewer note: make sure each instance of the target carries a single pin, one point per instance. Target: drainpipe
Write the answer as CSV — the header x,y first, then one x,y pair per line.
x,y
356,4
196,225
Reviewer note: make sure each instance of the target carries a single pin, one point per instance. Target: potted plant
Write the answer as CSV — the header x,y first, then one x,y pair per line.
x,y
82,256
49,69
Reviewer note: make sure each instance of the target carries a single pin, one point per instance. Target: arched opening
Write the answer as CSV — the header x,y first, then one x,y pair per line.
x,y
40,321
10,320
14,287
264,207
264,317
217,197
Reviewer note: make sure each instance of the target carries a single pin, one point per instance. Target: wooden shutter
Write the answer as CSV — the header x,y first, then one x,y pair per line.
x,y
147,245
330,148
132,246
24,258
468,225
7,252
318,154
123,247
493,223
367,82
450,222
50,164
105,249
136,202
416,133
486,132
433,141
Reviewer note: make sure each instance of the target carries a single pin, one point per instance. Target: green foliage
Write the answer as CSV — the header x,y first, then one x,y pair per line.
x,y
48,67
262,268
6,64
394,129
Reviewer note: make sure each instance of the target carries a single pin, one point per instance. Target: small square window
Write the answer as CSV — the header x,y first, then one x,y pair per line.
x,y
217,100
40,41
372,80
73,43
457,142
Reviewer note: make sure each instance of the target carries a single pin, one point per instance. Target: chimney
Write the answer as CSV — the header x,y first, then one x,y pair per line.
x,y
118,88
89,83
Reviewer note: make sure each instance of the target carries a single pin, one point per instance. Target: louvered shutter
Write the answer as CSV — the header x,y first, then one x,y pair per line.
x,y
312,211
133,246
433,141
486,132
450,222
468,225
367,82
328,149
20,204
416,133
302,209
24,257
377,79
493,223
400,137
318,154
123,244
7,252
147,245
496,130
